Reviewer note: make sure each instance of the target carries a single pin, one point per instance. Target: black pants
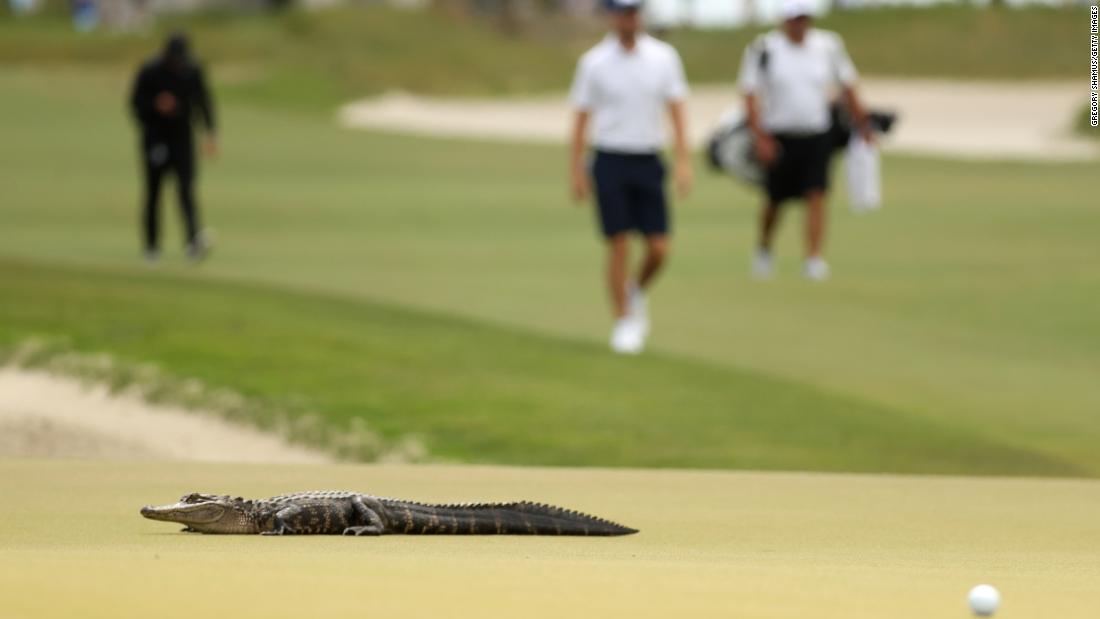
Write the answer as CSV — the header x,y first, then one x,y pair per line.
x,y
161,155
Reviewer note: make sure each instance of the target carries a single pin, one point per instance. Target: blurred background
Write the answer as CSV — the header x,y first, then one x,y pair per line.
x,y
398,272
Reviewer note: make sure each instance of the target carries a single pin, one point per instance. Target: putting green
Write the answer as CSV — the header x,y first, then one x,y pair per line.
x,y
712,544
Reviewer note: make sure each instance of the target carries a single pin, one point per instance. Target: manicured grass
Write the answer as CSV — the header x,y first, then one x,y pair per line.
x,y
313,60
477,393
960,308
773,546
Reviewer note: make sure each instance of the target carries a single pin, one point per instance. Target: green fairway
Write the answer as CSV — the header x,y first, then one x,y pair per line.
x,y
711,544
957,322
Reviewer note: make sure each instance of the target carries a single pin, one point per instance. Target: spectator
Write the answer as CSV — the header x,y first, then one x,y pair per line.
x,y
787,76
168,92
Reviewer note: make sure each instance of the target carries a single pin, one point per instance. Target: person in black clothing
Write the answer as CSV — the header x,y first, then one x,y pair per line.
x,y
168,93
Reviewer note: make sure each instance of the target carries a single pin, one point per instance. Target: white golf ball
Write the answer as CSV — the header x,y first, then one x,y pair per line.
x,y
984,600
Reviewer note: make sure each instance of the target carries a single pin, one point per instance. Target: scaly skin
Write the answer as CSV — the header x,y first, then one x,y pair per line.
x,y
352,513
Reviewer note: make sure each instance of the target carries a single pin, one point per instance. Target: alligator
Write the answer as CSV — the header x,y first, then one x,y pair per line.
x,y
353,513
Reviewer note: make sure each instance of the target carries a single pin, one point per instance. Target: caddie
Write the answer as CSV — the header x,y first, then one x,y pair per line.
x,y
788,77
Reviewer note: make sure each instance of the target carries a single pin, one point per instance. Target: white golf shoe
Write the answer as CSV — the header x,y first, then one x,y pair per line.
x,y
762,266
816,269
200,247
627,338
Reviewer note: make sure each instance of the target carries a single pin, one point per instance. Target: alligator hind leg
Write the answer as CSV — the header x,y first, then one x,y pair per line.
x,y
374,524
282,521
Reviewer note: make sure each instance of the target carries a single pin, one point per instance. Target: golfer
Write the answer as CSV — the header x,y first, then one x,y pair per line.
x,y
168,92
623,87
788,77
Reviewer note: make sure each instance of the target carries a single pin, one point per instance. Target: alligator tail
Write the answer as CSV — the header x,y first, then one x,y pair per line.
x,y
523,518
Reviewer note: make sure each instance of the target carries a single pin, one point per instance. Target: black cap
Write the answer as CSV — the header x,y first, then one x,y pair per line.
x,y
177,47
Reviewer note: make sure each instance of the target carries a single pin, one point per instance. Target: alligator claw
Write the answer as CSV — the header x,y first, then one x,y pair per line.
x,y
367,530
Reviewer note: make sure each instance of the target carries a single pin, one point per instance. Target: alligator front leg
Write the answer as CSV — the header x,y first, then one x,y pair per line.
x,y
374,524
282,521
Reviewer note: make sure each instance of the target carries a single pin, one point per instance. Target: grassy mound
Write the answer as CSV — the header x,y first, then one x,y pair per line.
x,y
480,393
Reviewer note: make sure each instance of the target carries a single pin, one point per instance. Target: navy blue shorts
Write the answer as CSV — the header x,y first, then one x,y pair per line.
x,y
630,192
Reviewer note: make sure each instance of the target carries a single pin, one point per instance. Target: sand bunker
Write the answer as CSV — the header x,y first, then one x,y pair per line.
x,y
46,415
1003,120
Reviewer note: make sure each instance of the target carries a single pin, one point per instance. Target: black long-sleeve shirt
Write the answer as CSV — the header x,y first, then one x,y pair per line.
x,y
186,83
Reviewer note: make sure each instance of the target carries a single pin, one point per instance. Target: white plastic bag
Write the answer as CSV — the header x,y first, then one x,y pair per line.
x,y
864,179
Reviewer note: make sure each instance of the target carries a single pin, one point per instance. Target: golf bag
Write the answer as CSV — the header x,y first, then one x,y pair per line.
x,y
730,147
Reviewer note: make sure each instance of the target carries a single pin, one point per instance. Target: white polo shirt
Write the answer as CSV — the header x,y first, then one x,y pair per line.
x,y
795,84
626,92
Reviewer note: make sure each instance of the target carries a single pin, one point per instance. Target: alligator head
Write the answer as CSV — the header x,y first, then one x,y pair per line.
x,y
206,513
